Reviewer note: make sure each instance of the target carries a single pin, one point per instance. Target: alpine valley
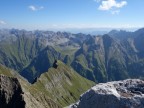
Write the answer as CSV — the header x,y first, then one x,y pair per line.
x,y
46,69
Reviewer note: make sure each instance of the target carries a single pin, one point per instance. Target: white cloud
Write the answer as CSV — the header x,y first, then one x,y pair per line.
x,y
110,4
2,22
35,8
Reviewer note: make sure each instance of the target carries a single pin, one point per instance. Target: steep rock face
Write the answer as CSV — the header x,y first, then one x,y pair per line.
x,y
122,35
101,59
119,94
11,94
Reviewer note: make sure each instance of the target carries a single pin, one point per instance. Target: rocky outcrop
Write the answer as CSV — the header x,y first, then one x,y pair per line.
x,y
55,65
11,94
119,94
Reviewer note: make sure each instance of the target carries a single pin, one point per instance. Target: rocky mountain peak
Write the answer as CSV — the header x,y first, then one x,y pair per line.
x,y
55,65
139,32
118,94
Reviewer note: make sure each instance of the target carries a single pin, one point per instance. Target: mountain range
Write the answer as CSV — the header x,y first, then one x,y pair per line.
x,y
82,60
112,56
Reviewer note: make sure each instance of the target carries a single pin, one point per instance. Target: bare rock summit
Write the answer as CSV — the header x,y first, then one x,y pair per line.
x,y
118,94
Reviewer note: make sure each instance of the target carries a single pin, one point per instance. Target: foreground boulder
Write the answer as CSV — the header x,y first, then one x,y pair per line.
x,y
119,94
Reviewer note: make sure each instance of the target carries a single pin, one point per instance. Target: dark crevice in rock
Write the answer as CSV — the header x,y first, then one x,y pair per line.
x,y
11,94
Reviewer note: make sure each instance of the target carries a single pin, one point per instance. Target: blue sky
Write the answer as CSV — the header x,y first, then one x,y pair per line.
x,y
61,14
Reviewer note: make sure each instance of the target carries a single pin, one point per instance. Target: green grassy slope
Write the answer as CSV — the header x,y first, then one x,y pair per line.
x,y
54,89
17,54
5,71
63,84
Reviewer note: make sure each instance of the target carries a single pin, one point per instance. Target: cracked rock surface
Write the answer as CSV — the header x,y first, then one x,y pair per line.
x,y
11,94
118,94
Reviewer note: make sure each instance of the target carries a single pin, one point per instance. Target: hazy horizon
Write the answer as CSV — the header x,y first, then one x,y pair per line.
x,y
72,15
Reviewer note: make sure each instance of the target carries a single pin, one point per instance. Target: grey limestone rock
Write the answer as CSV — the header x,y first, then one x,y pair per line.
x,y
11,94
118,94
